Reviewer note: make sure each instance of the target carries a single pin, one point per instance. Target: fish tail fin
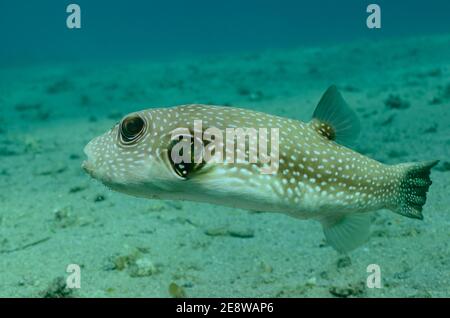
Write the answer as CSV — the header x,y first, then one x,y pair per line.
x,y
412,192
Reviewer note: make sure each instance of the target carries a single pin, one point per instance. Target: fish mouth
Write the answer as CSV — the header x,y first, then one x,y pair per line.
x,y
87,164
88,167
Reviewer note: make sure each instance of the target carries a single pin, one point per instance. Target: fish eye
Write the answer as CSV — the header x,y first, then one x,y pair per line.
x,y
131,128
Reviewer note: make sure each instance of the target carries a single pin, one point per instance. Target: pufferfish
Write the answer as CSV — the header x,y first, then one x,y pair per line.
x,y
316,175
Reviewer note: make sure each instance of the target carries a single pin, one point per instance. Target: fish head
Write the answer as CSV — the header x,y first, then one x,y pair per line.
x,y
131,156
145,155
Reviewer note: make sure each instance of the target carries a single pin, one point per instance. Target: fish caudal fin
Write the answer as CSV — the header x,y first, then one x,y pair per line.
x,y
334,119
345,233
414,185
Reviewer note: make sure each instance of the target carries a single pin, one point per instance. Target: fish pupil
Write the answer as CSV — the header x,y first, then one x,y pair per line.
x,y
131,127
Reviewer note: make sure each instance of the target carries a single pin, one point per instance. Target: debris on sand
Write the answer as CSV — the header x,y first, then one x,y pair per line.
x,y
57,289
233,232
135,263
176,291
143,267
59,86
396,102
355,290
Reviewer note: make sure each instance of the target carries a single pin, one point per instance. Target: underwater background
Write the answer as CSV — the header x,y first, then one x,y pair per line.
x,y
61,87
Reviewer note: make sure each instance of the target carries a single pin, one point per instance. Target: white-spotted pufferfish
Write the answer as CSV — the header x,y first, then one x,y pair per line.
x,y
316,176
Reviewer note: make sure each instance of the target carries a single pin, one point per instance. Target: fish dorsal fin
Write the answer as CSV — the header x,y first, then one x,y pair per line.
x,y
334,119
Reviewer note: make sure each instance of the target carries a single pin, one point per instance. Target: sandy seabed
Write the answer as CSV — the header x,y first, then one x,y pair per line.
x,y
52,214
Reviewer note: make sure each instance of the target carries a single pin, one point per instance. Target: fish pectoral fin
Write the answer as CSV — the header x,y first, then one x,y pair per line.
x,y
334,119
345,233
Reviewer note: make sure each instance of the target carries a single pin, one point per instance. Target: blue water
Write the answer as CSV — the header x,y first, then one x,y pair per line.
x,y
35,30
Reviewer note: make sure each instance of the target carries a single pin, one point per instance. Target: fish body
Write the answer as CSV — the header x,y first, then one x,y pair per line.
x,y
301,169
